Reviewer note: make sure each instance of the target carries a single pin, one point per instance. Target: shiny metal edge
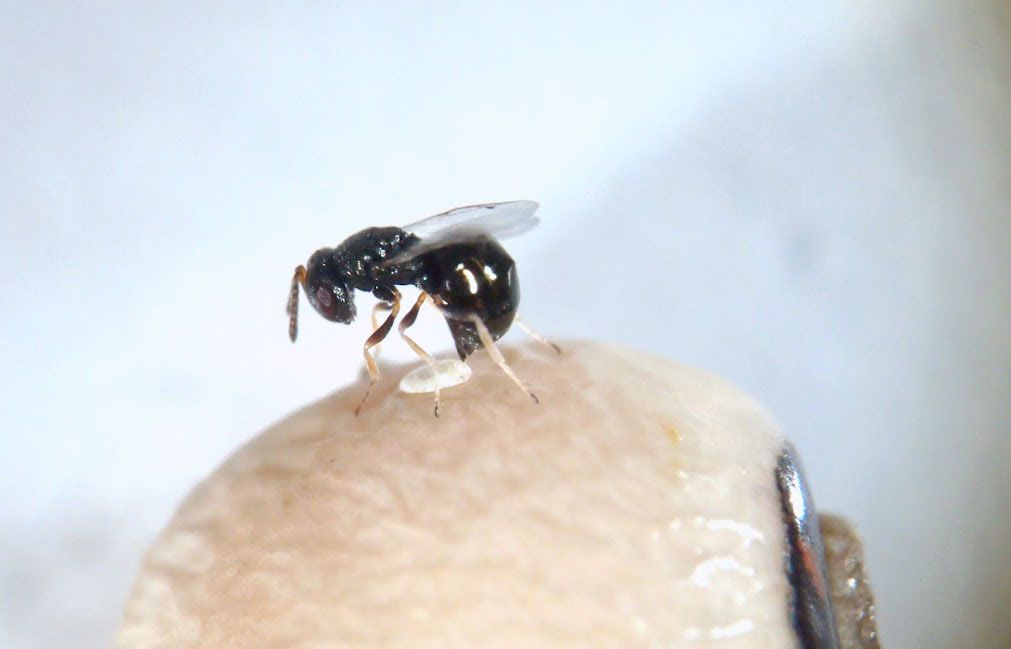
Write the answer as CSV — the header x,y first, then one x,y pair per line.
x,y
809,607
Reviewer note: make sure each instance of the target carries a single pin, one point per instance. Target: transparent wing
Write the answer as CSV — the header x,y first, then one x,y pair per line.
x,y
500,220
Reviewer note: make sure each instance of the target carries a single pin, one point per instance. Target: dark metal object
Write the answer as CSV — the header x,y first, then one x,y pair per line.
x,y
810,607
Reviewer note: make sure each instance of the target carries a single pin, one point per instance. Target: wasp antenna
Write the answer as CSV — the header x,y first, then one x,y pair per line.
x,y
297,279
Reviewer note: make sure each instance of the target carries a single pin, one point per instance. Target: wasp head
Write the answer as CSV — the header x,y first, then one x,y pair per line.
x,y
327,290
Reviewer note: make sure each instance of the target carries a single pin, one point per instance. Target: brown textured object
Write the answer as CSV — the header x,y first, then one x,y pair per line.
x,y
852,599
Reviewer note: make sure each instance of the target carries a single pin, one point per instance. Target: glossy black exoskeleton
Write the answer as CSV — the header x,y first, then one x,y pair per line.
x,y
332,275
453,257
473,277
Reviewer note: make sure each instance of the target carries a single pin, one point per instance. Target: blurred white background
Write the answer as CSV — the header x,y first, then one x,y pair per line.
x,y
812,201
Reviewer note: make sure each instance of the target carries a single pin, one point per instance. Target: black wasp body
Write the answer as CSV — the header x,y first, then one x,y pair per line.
x,y
453,258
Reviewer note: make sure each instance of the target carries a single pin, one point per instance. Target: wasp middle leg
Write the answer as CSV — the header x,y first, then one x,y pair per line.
x,y
406,322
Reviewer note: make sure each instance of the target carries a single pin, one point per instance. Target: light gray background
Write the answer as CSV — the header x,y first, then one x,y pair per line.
x,y
813,202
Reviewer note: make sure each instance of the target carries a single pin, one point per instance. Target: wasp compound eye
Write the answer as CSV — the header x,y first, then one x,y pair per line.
x,y
323,298
334,302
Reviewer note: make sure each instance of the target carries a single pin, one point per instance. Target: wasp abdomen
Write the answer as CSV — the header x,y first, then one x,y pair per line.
x,y
474,277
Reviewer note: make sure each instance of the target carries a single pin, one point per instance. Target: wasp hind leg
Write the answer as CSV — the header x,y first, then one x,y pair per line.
x,y
406,322
377,337
489,343
536,336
